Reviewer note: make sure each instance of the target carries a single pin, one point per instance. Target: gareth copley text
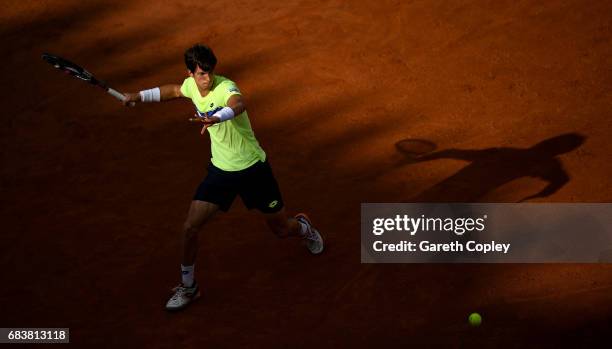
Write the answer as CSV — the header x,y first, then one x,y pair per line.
x,y
455,246
413,225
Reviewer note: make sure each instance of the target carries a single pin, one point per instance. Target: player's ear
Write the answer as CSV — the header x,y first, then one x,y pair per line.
x,y
189,73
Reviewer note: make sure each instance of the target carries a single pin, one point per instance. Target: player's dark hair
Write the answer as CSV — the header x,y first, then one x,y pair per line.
x,y
202,56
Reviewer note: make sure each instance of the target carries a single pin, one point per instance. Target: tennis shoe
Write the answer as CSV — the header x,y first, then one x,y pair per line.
x,y
313,238
183,296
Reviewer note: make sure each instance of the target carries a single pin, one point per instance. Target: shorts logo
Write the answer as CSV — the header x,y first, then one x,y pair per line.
x,y
273,204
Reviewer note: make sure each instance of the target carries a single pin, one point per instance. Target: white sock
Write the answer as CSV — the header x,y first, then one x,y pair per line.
x,y
303,228
187,275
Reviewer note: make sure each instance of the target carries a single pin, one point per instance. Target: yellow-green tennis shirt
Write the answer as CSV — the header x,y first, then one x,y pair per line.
x,y
233,145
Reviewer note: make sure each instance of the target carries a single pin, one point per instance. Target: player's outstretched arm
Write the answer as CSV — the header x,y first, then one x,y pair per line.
x,y
157,94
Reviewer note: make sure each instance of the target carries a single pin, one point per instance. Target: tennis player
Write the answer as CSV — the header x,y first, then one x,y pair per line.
x,y
238,166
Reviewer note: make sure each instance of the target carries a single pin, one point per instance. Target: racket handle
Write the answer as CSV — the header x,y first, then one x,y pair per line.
x,y
116,94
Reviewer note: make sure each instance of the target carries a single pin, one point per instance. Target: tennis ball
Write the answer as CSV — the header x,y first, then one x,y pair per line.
x,y
475,319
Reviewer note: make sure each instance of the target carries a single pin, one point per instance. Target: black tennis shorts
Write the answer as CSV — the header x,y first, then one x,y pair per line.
x,y
256,186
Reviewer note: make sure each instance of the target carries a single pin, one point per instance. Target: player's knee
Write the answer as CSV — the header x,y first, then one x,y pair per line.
x,y
190,230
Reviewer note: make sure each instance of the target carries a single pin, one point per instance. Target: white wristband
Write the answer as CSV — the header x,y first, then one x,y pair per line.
x,y
225,114
152,95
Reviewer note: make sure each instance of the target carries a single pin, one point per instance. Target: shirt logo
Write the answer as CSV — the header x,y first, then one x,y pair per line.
x,y
208,113
273,204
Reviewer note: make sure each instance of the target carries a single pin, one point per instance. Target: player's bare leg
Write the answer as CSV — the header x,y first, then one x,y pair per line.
x,y
199,213
283,226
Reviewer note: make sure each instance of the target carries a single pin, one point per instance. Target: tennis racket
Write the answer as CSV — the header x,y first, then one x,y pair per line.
x,y
78,72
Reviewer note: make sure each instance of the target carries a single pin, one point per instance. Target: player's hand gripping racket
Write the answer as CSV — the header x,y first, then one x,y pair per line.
x,y
75,70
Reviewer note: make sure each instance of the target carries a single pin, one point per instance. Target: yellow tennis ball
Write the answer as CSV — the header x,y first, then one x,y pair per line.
x,y
475,319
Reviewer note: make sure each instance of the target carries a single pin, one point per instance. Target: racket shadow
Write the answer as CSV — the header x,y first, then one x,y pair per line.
x,y
414,149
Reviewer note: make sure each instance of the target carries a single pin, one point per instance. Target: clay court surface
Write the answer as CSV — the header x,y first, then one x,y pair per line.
x,y
94,194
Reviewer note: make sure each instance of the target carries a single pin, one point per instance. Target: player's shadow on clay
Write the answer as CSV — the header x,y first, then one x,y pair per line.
x,y
491,168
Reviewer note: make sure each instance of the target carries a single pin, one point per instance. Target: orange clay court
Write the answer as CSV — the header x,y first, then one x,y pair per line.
x,y
94,194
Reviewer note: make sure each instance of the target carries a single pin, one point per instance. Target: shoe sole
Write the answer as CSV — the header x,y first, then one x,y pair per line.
x,y
305,216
